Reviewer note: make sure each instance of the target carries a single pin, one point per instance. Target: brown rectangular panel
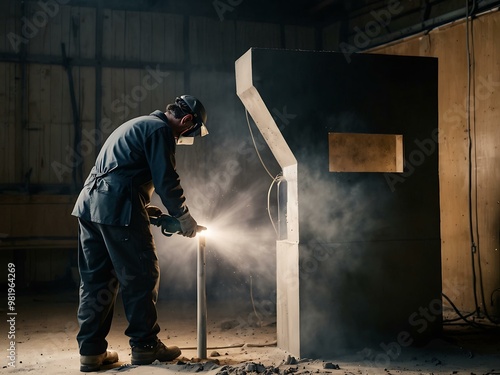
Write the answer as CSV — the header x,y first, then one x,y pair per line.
x,y
358,152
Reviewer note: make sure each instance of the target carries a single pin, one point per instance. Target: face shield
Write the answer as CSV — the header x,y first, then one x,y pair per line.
x,y
187,138
190,105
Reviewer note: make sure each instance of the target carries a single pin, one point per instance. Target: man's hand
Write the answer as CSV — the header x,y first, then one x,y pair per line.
x,y
153,211
189,226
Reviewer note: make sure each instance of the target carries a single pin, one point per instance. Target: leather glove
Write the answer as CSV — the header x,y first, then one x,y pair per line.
x,y
189,226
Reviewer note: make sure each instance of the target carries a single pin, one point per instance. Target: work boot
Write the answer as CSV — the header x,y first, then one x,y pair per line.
x,y
90,363
146,355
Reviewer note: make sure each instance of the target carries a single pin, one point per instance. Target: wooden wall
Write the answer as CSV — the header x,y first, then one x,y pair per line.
x,y
449,44
124,64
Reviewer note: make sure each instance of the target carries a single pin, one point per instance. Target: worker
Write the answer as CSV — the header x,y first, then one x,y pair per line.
x,y
115,244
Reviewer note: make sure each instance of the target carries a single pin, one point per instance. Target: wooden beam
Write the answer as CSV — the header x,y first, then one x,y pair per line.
x,y
187,56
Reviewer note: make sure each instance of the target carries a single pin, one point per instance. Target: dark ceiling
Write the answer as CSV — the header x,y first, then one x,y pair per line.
x,y
413,16
306,12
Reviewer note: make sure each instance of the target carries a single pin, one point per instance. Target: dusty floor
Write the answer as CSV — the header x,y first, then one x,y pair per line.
x,y
46,328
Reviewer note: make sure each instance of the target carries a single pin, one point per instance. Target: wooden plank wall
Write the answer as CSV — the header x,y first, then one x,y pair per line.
x,y
39,130
138,63
147,59
10,117
449,44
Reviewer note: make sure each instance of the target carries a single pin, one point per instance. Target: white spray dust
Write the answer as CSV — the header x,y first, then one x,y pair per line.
x,y
240,242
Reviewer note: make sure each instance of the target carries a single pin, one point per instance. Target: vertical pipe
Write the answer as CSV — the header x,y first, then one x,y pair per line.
x,y
99,37
202,300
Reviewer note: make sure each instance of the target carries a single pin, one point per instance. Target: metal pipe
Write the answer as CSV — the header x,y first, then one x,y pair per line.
x,y
202,300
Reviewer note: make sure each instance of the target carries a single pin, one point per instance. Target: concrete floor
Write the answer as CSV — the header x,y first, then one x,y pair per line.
x,y
46,327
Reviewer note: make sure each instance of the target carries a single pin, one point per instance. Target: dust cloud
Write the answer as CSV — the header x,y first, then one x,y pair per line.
x,y
226,191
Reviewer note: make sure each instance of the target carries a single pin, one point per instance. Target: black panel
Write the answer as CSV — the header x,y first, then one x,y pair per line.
x,y
369,242
372,94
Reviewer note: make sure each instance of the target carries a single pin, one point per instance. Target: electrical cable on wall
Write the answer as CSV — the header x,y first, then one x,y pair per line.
x,y
461,316
476,208
472,164
278,177
468,125
464,318
255,145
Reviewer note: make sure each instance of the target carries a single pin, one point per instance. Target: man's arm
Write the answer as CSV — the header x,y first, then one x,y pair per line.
x,y
160,154
159,150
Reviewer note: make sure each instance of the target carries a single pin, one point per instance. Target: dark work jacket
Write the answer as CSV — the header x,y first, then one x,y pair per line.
x,y
137,157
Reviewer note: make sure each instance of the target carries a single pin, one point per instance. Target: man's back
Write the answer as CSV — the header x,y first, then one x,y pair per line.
x,y
139,154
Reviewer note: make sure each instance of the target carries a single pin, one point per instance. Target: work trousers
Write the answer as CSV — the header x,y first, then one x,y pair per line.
x,y
112,257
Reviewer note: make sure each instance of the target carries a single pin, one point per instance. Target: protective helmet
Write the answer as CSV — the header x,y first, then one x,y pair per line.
x,y
190,105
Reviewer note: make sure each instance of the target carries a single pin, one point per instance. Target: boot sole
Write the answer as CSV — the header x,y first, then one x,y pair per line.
x,y
149,360
95,368
86,368
139,362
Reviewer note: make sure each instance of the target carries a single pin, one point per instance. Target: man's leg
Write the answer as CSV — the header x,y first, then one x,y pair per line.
x,y
135,261
98,289
136,265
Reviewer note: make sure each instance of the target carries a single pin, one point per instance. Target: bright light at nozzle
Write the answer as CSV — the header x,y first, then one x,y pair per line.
x,y
206,233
